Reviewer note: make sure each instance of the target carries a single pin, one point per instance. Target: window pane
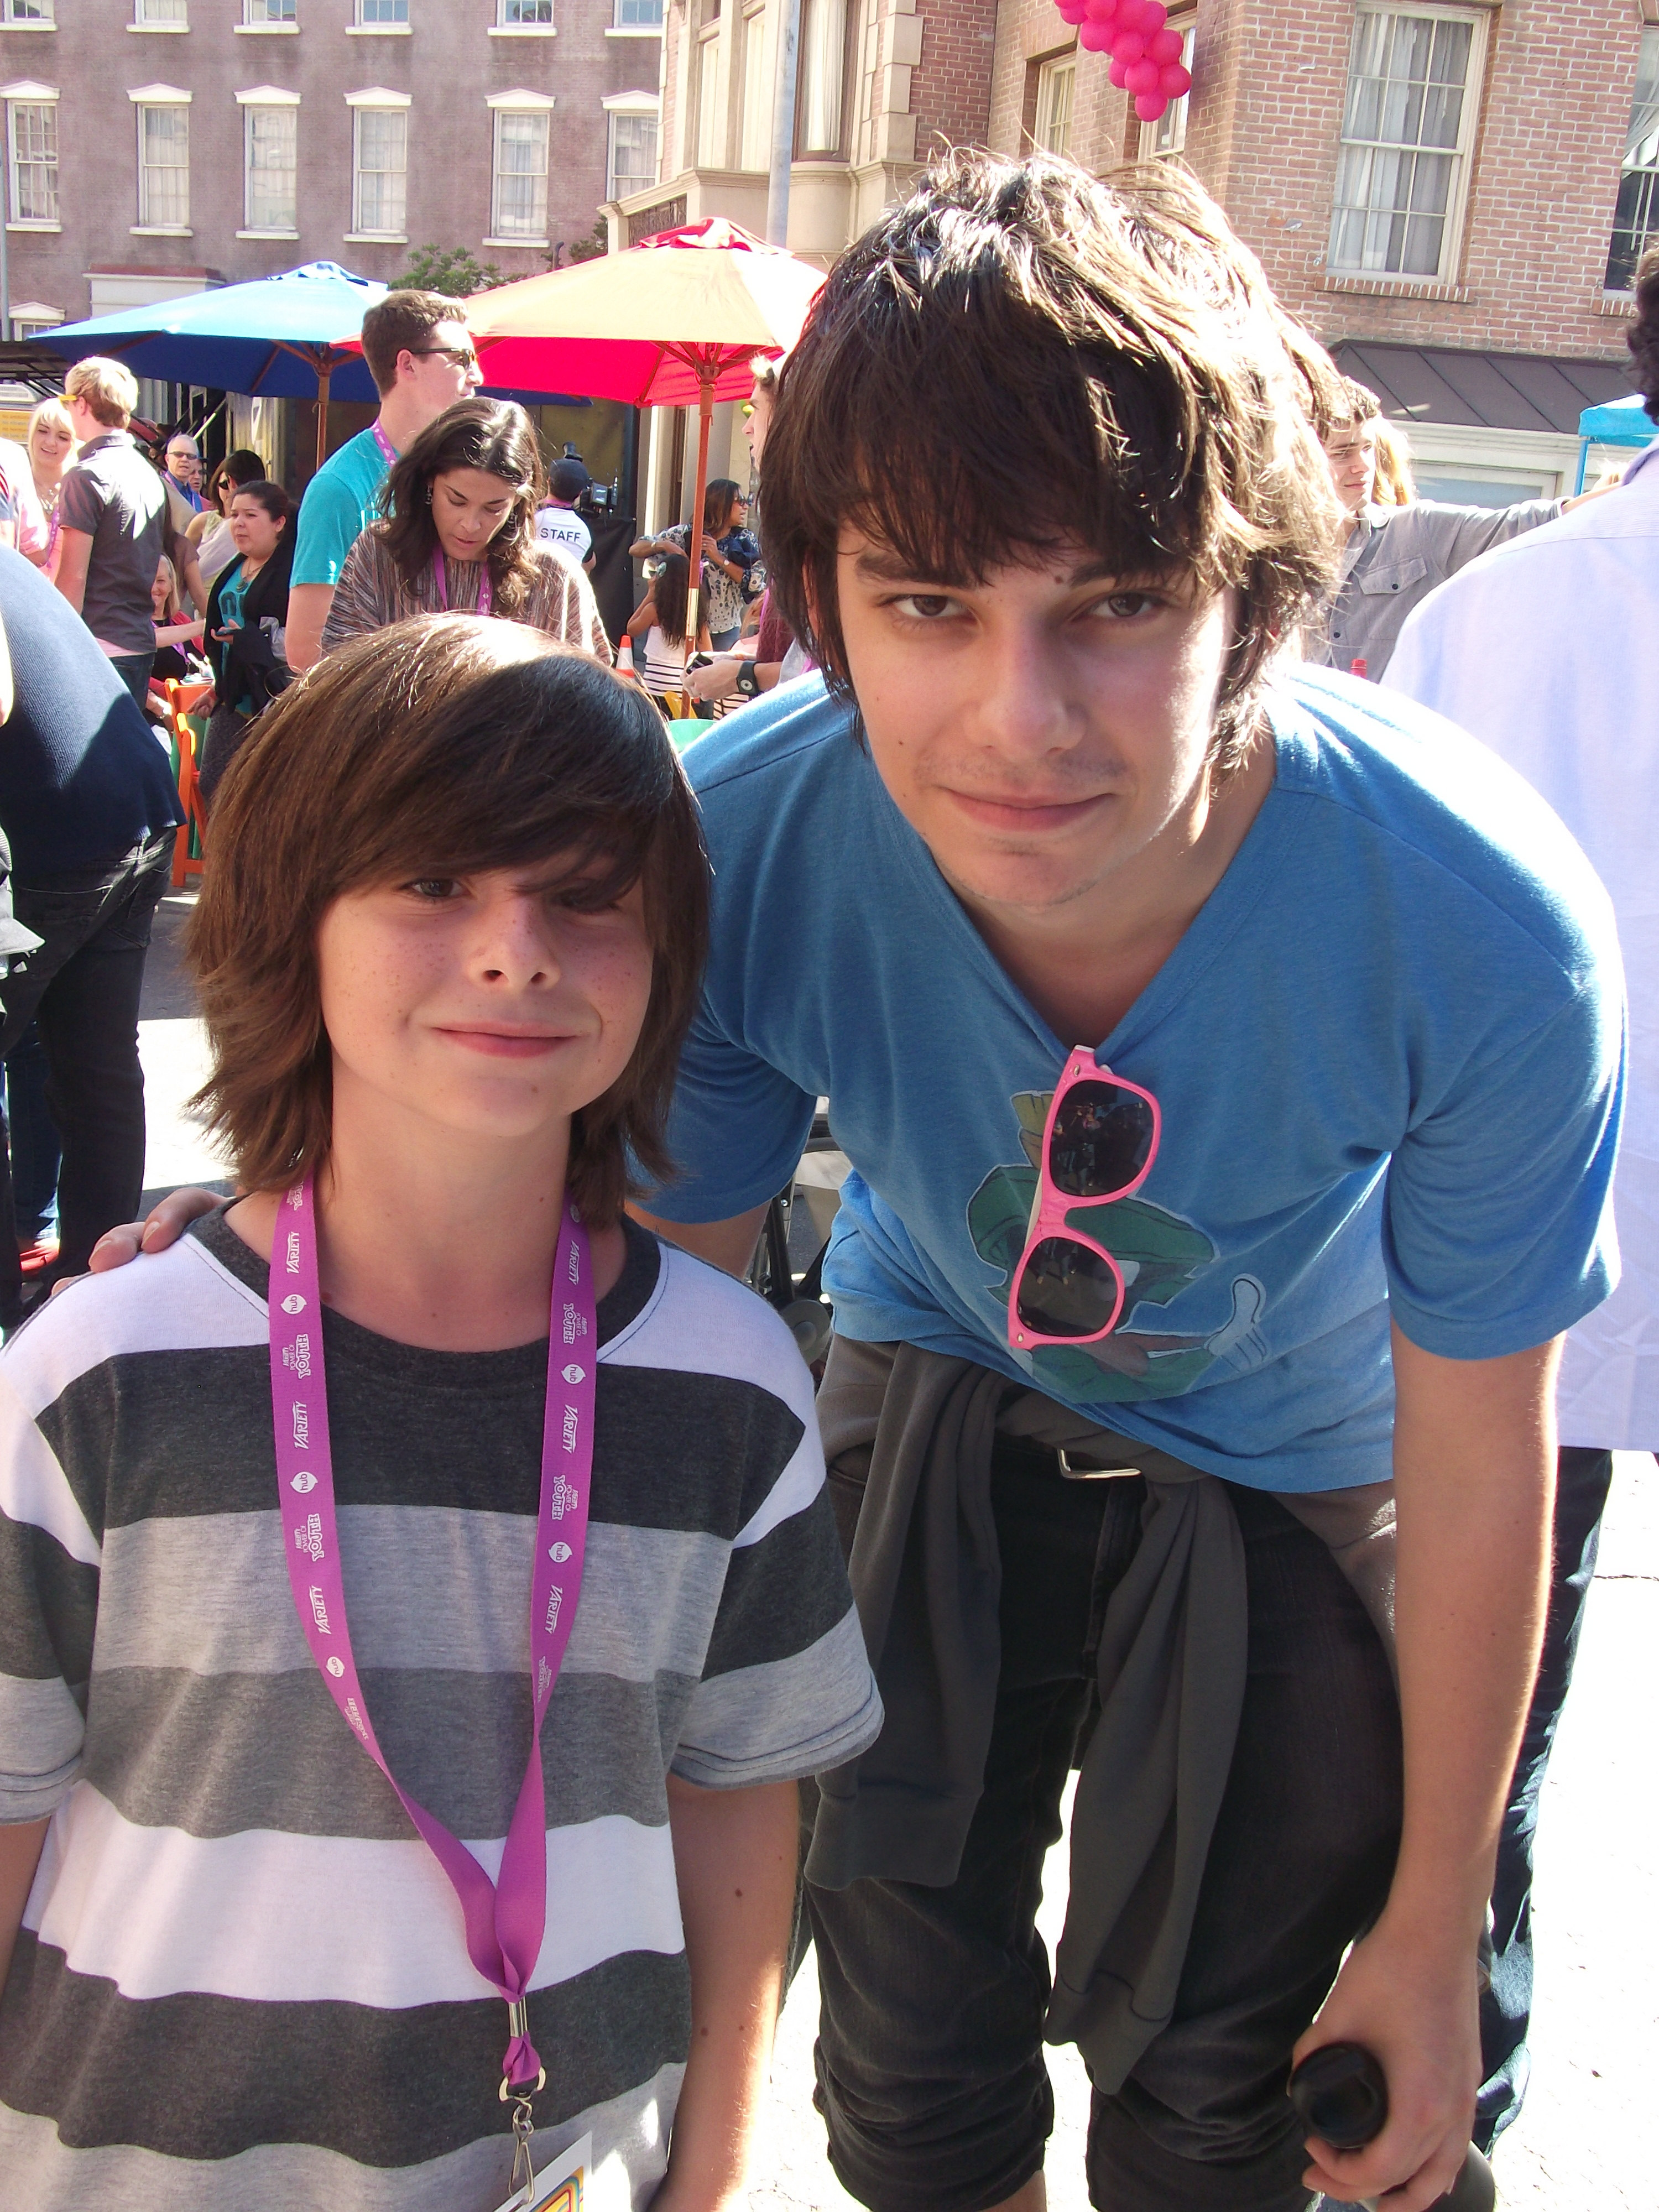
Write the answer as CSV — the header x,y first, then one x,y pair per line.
x,y
383,11
35,163
633,153
164,165
708,87
1055,89
268,11
273,135
822,50
160,11
1397,172
382,147
757,95
639,14
526,11
1636,219
28,11
520,175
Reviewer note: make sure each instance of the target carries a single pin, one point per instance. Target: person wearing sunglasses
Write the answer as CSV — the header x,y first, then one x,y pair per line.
x,y
1228,1061
422,361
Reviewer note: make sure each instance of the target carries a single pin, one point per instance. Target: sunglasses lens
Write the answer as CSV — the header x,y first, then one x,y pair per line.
x,y
1067,1290
1102,1139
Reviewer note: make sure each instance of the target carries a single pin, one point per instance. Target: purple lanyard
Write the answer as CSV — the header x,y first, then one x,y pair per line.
x,y
504,1919
440,578
388,451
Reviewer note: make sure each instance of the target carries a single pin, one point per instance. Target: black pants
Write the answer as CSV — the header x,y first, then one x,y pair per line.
x,y
930,2067
81,989
134,670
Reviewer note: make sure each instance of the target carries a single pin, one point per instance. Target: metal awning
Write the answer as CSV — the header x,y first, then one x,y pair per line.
x,y
1482,391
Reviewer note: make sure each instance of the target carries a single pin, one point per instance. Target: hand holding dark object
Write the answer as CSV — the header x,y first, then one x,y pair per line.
x,y
1342,2099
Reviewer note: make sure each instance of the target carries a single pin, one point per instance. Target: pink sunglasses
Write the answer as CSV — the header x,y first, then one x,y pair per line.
x,y
1098,1143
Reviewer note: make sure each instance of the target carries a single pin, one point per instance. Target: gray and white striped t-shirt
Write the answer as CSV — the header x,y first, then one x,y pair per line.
x,y
242,1980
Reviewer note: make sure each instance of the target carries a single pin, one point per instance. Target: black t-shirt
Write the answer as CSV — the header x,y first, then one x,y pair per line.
x,y
82,778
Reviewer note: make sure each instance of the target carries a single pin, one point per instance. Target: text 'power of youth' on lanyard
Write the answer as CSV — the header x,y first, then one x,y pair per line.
x,y
505,1919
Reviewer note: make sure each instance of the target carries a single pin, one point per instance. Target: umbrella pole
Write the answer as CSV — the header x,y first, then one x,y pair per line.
x,y
707,372
323,375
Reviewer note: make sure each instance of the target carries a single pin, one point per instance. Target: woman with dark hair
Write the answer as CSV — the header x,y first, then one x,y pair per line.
x,y
658,626
460,536
247,615
731,572
209,531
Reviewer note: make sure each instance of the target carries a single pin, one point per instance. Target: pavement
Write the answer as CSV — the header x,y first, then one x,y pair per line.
x,y
1577,2146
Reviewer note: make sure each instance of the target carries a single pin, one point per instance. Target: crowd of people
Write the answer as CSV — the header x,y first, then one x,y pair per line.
x,y
1230,1055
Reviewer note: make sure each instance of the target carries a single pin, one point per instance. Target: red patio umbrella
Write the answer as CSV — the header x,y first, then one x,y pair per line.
x,y
674,321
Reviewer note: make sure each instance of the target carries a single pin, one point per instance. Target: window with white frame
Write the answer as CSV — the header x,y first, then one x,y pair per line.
x,y
523,14
757,96
32,139
632,152
639,14
271,155
168,12
519,193
1407,135
27,11
708,86
379,170
1056,92
30,316
382,11
259,12
1636,219
163,165
1168,134
822,65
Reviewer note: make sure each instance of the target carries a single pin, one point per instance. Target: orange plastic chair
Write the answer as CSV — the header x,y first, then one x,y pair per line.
x,y
190,846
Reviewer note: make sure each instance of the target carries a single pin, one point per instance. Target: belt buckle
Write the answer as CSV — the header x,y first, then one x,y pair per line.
x,y
1089,1473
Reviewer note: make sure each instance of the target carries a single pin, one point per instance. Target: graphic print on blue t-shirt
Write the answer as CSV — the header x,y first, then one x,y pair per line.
x,y
1159,1254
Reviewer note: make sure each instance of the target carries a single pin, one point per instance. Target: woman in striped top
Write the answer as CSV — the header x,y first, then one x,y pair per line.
x,y
657,629
460,536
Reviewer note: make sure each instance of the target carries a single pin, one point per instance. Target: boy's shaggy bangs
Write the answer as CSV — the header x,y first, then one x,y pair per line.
x,y
1019,358
444,745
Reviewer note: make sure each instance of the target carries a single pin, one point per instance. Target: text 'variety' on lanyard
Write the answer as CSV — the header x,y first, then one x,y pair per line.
x,y
504,1920
440,578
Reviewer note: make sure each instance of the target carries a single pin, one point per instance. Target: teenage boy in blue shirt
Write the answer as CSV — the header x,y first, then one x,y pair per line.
x,y
1042,499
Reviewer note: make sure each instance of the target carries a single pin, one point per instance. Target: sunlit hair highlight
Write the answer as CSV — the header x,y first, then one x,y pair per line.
x,y
1018,359
446,746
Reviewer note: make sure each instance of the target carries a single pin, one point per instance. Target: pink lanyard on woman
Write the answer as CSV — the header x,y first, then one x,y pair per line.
x,y
440,578
504,1919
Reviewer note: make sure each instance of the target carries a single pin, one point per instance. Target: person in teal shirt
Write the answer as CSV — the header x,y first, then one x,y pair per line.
x,y
422,361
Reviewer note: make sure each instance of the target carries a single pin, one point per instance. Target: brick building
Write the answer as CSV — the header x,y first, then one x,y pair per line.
x,y
155,147
1453,196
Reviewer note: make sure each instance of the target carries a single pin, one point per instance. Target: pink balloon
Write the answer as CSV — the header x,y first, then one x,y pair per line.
x,y
1129,46
1102,11
1149,105
1175,82
1117,72
1163,47
1095,38
1153,17
1070,11
1129,14
1142,77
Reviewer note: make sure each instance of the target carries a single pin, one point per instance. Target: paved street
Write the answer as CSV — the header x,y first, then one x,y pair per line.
x,y
1579,2146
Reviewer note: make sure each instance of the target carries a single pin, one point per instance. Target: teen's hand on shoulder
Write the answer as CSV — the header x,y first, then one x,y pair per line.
x,y
1413,2001
164,1224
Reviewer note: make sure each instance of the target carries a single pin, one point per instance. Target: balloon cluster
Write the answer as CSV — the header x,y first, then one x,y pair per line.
x,y
1146,52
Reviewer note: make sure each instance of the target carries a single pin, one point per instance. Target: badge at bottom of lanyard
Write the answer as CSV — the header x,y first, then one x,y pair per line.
x,y
560,2186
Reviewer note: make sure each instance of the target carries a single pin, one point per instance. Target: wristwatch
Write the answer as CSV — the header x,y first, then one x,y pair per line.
x,y
747,682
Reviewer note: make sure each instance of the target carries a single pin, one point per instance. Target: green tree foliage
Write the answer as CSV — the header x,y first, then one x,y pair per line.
x,y
451,270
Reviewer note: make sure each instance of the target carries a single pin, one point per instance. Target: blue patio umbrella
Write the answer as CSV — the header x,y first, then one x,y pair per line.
x,y
1620,422
278,339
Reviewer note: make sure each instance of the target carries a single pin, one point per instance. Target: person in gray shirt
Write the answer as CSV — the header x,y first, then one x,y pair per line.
x,y
1394,556
113,526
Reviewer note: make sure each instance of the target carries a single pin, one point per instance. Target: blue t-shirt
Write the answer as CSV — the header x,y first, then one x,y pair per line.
x,y
340,502
1388,1052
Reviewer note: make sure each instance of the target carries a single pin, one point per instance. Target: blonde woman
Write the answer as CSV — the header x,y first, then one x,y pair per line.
x,y
50,446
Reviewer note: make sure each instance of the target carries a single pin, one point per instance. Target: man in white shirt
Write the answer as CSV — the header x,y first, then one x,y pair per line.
x,y
1547,648
557,523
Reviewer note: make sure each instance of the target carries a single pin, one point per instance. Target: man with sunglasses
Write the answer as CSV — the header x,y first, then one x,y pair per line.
x,y
422,358
1252,1049
1284,1248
